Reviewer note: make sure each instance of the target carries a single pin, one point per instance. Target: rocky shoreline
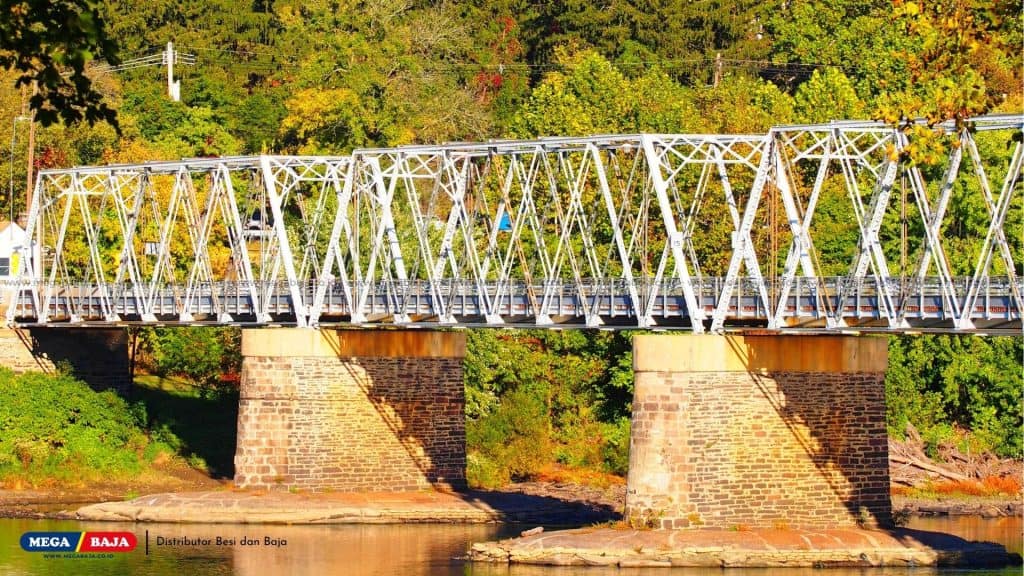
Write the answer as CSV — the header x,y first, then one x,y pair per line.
x,y
548,503
981,507
750,548
247,507
604,542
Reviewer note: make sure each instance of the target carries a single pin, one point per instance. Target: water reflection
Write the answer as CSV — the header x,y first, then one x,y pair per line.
x,y
1005,531
378,549
270,550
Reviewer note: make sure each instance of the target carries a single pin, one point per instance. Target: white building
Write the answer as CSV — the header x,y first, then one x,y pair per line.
x,y
12,237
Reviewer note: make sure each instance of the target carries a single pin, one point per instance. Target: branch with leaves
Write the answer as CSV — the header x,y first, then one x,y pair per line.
x,y
49,43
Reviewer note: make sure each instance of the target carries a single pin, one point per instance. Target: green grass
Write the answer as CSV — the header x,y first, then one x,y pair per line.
x,y
57,430
202,429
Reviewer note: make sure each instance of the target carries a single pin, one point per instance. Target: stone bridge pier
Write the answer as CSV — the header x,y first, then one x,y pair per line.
x,y
759,431
97,356
351,410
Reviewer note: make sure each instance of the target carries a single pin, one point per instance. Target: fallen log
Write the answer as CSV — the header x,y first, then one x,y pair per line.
x,y
927,467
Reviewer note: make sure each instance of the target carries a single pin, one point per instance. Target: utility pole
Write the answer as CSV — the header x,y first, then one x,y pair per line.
x,y
173,86
167,57
29,113
718,70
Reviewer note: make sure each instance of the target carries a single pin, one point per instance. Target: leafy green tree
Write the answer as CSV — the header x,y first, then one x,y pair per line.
x,y
828,95
834,229
256,120
681,37
937,383
908,398
909,58
589,95
50,43
201,354
742,104
957,53
201,133
386,79
859,38
539,397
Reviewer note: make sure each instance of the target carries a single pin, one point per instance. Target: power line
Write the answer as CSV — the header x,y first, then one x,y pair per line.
x,y
230,51
766,64
229,58
168,58
158,59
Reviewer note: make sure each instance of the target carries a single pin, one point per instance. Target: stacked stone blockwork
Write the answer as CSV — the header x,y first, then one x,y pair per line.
x,y
351,410
759,432
97,356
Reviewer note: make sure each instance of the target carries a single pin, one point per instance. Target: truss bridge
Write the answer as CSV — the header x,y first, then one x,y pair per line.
x,y
815,227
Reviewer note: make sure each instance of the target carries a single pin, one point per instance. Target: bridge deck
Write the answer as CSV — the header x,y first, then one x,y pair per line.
x,y
811,304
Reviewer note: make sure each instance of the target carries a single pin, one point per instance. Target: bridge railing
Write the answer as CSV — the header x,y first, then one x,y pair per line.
x,y
811,303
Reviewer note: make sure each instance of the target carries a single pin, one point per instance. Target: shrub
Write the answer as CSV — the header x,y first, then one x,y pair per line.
x,y
615,450
57,427
482,472
200,354
516,436
935,436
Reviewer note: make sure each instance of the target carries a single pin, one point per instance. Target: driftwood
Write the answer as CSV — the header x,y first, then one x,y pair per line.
x,y
910,465
927,466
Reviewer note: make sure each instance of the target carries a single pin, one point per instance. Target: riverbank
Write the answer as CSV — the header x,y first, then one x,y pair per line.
x,y
548,503
253,507
60,501
962,506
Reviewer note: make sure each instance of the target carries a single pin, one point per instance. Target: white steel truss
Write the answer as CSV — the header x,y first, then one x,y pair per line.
x,y
828,226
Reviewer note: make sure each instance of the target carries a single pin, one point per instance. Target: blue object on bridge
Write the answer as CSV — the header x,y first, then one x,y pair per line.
x,y
505,225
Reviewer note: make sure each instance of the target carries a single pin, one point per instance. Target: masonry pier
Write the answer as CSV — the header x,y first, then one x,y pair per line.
x,y
96,356
759,432
351,410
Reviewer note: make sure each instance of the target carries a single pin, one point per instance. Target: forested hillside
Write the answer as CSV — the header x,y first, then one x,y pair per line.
x,y
327,76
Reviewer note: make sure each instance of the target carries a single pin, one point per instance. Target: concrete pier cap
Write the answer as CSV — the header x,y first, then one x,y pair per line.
x,y
733,431
351,410
759,353
304,342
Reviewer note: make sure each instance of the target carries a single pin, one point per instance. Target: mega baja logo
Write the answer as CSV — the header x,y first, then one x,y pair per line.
x,y
78,542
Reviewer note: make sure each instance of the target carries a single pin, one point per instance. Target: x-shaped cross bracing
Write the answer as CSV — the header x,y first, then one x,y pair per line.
x,y
703,232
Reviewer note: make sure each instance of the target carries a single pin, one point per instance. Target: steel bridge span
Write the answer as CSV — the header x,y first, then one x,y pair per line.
x,y
825,227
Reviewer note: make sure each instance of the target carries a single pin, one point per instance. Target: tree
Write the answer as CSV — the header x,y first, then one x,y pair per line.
x,y
200,354
909,58
959,63
856,36
828,95
682,37
50,42
385,75
938,382
589,95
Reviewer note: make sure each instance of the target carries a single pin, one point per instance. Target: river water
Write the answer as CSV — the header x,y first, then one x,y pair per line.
x,y
380,549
